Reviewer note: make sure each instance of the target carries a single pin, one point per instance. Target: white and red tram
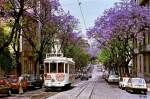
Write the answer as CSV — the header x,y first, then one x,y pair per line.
x,y
59,71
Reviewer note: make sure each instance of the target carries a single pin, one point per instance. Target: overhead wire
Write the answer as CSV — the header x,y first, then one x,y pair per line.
x,y
79,3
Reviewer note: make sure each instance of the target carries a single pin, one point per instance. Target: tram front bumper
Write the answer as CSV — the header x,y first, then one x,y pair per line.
x,y
54,84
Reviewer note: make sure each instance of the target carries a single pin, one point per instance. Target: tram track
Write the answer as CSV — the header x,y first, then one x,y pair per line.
x,y
80,92
90,97
78,89
88,90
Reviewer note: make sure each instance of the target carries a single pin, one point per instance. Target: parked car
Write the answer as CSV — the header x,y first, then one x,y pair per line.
x,y
84,76
78,75
113,78
13,80
27,78
4,87
105,74
136,85
35,81
90,75
123,82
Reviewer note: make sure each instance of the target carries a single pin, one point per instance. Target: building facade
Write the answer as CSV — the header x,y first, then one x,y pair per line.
x,y
27,51
141,59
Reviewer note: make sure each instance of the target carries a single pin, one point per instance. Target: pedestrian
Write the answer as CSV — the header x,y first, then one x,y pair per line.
x,y
20,85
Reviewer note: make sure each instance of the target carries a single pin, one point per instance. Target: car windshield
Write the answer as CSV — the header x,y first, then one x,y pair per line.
x,y
138,81
12,80
34,77
114,76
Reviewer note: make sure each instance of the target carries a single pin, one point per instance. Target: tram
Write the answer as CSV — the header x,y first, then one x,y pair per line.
x,y
59,71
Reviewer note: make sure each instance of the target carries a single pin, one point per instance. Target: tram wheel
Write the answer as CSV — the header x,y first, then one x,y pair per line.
x,y
46,89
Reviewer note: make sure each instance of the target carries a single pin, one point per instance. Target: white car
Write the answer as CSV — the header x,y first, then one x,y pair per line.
x,y
123,82
136,85
105,74
113,78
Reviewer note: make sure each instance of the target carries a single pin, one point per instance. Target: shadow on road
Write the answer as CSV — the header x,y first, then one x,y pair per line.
x,y
60,89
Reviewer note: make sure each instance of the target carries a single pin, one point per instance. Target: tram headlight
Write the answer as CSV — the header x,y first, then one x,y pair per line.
x,y
48,77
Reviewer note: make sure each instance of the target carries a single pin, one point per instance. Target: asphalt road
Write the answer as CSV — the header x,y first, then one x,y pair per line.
x,y
94,88
97,88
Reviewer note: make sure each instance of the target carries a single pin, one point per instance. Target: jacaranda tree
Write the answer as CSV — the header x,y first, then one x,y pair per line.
x,y
119,28
48,19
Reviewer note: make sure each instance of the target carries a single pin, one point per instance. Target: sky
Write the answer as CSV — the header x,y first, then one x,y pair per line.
x,y
91,10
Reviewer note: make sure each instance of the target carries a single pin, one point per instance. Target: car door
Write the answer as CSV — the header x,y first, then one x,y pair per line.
x,y
129,84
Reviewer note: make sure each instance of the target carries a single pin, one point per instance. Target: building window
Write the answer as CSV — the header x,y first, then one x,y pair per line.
x,y
148,38
144,39
149,7
145,59
140,63
149,62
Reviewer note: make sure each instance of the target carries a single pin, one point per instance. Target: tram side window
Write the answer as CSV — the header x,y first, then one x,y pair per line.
x,y
73,68
47,67
70,69
53,68
61,67
66,68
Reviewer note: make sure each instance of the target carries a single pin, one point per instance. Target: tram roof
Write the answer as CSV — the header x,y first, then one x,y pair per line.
x,y
59,59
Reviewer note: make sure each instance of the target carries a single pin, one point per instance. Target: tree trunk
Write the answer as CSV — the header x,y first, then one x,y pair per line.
x,y
120,72
35,66
126,69
18,64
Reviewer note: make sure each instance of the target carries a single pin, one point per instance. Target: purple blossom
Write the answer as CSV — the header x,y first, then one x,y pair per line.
x,y
125,19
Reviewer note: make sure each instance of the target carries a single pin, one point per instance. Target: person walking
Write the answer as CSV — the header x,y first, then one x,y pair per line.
x,y
20,85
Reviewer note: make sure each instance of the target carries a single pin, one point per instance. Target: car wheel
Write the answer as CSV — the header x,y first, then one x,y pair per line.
x,y
120,86
41,86
126,89
131,91
46,90
145,92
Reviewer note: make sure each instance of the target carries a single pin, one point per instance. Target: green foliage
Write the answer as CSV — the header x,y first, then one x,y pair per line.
x,y
5,56
104,56
6,60
80,57
7,6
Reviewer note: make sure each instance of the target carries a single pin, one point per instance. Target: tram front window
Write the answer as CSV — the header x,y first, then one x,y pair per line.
x,y
60,67
47,67
53,68
66,68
